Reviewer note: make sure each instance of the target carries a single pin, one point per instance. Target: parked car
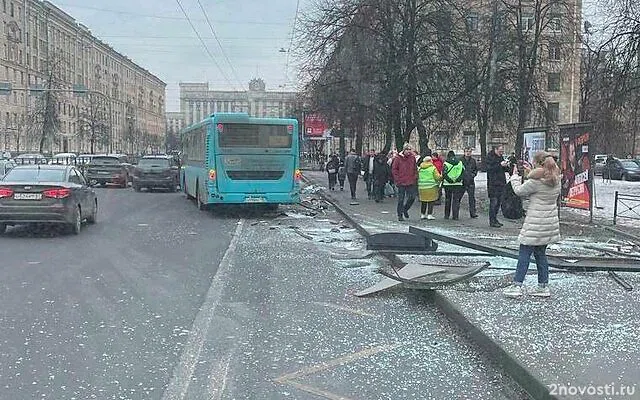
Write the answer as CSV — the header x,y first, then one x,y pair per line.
x,y
156,171
6,166
626,170
23,159
46,194
105,169
64,159
84,159
599,163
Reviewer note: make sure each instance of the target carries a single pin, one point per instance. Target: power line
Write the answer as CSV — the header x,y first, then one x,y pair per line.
x,y
191,37
213,31
184,45
161,16
293,30
204,44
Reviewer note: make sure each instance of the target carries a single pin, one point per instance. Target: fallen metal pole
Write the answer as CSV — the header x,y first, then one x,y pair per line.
x,y
579,265
626,285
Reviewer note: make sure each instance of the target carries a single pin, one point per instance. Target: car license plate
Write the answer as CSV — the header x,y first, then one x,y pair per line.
x,y
254,200
27,196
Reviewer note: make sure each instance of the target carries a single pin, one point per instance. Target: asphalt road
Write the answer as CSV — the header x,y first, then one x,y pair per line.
x,y
161,301
105,314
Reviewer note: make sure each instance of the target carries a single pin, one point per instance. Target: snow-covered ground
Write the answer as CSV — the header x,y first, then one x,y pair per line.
x,y
604,200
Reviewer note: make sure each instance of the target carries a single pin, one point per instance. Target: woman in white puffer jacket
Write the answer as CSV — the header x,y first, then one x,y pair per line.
x,y
541,225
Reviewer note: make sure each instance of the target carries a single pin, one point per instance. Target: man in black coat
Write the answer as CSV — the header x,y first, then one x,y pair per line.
x,y
497,166
470,172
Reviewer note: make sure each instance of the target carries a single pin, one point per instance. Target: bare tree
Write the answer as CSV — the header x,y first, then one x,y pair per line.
x,y
610,81
396,59
92,121
44,119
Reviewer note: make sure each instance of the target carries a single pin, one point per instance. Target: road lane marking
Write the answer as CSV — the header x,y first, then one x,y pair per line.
x,y
219,374
347,309
349,358
183,372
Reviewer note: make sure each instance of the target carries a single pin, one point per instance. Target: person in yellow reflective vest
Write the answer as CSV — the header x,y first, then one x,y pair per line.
x,y
428,187
452,174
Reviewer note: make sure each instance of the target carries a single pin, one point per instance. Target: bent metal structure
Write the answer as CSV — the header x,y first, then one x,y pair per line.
x,y
432,276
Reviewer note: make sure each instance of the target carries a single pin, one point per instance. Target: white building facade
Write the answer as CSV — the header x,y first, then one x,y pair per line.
x,y
197,101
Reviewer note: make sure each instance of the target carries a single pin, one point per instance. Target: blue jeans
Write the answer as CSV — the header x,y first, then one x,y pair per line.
x,y
524,257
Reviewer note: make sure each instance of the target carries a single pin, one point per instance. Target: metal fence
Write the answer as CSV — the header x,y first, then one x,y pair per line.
x,y
626,206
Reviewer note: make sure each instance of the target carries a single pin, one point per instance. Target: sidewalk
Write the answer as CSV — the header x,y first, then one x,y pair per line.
x,y
385,217
583,337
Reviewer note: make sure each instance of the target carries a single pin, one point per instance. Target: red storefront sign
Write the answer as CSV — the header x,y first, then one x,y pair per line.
x,y
314,126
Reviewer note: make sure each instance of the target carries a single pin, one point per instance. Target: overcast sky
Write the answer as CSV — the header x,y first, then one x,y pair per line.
x,y
157,36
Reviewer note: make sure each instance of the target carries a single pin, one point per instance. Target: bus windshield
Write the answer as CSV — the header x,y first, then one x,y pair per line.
x,y
255,136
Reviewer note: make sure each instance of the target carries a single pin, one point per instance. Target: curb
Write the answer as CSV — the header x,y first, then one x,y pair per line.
x,y
518,372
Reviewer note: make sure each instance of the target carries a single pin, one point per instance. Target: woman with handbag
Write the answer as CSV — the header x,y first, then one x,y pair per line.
x,y
541,225
332,171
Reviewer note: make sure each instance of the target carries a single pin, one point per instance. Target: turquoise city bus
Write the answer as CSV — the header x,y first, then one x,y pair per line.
x,y
231,158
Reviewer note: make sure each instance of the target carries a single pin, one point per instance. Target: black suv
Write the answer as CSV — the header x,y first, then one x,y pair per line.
x,y
156,171
110,168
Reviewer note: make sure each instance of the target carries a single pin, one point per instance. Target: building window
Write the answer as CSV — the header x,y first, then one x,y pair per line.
x,y
469,139
472,22
12,13
528,23
555,24
4,6
441,139
553,113
554,52
553,82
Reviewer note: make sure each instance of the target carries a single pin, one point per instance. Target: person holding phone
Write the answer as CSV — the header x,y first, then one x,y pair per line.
x,y
541,225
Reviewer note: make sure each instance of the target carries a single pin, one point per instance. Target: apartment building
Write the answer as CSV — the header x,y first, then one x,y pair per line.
x,y
44,38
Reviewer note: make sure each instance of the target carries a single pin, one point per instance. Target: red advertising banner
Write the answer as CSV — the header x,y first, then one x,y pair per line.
x,y
575,163
314,126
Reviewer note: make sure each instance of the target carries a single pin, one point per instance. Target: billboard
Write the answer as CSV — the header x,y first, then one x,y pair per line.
x,y
314,126
533,142
575,163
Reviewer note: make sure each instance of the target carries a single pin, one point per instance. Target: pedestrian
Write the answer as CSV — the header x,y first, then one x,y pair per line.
x,y
453,186
392,155
332,171
439,164
541,225
469,180
405,176
608,167
428,185
342,175
381,175
353,164
368,171
496,181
